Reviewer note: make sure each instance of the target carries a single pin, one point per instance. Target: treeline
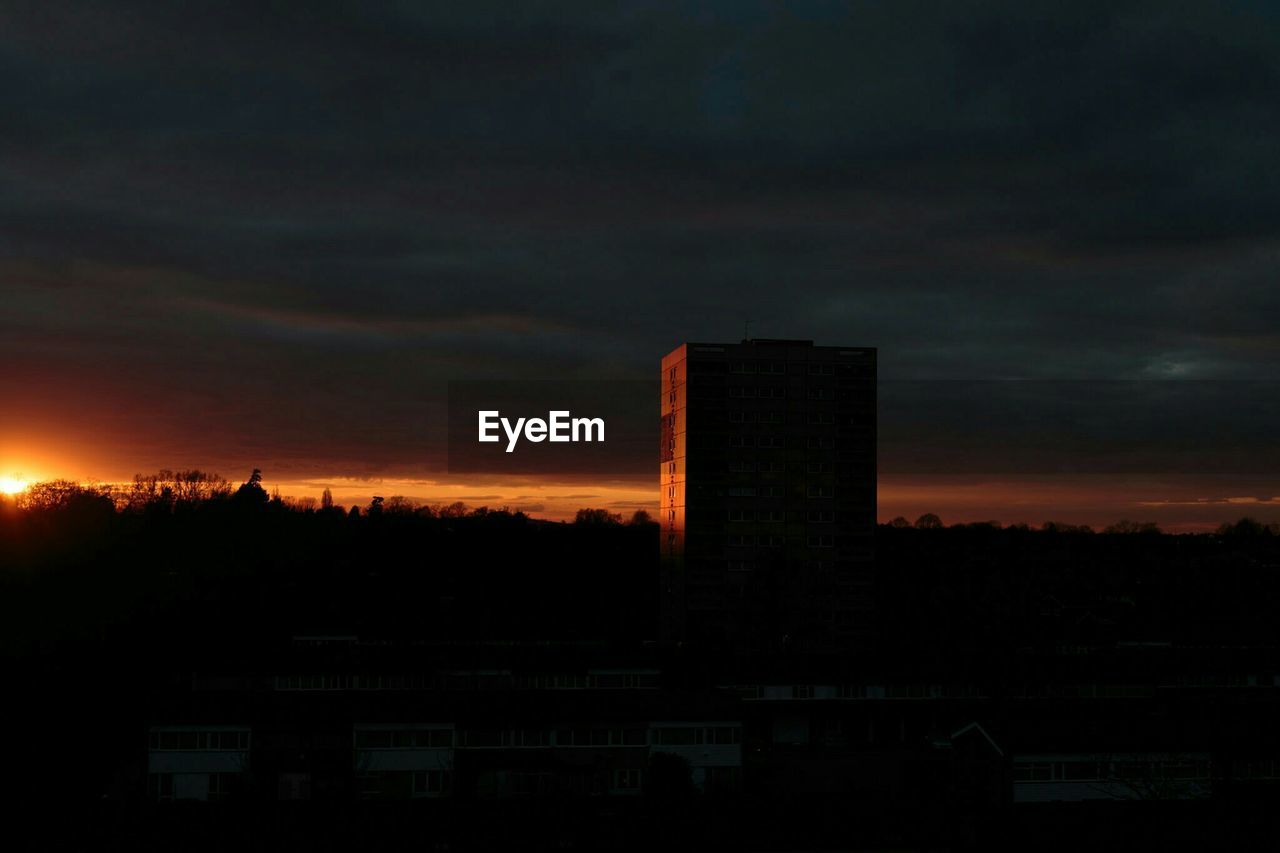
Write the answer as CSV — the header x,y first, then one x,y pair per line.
x,y
214,572
983,595
167,492
930,521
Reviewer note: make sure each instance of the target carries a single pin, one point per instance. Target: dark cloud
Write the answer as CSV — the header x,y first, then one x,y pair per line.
x,y
275,231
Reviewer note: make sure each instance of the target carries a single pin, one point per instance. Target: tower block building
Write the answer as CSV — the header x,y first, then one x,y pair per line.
x,y
768,505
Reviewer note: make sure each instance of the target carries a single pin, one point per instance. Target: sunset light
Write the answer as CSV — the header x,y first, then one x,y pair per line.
x,y
12,485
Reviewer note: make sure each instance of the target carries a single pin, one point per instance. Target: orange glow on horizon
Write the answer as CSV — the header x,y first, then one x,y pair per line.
x,y
1177,504
13,486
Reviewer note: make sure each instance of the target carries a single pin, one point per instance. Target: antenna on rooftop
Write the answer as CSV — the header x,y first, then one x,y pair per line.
x,y
746,329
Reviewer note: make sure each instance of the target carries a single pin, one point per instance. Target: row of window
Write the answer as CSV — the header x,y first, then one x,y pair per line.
x,y
857,691
749,540
770,392
773,491
1127,770
846,572
198,741
774,516
422,783
1098,771
569,681
740,417
404,739
221,785
779,368
766,442
774,368
539,737
697,735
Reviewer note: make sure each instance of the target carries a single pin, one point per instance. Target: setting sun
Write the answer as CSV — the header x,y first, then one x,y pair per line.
x,y
12,485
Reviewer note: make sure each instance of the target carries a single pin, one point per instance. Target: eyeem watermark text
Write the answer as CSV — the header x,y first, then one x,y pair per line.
x,y
559,426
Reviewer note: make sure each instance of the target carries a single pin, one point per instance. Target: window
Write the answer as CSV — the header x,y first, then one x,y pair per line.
x,y
484,737
531,737
1079,771
198,741
627,779
742,467
820,492
741,441
741,566
821,369
740,540
224,785
740,417
430,782
771,441
819,443
772,516
1264,768
1028,771
772,418
821,516
677,736
770,491
776,368
818,468
369,784
742,367
373,740
160,786
600,737
724,735
528,783
1185,769
293,786
310,682
741,515
404,738
802,691
820,394
774,392
820,419
772,467
741,391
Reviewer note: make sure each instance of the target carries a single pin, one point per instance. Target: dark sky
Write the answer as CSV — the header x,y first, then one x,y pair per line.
x,y
267,234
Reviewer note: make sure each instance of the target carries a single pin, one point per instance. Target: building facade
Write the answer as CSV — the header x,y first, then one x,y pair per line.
x,y
768,495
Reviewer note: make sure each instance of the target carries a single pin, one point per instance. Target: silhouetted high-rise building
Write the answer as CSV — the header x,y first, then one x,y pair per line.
x,y
768,508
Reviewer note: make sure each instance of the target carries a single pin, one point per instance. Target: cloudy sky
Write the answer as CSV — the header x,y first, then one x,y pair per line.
x,y
238,235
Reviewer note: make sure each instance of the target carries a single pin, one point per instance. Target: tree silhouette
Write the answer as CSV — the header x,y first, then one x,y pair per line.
x,y
928,521
251,492
597,517
1124,525
1245,527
